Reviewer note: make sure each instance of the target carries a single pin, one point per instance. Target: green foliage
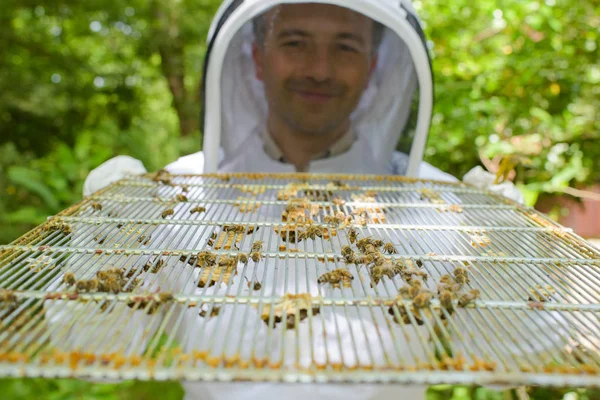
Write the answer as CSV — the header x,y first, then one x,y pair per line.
x,y
82,82
25,389
73,389
517,77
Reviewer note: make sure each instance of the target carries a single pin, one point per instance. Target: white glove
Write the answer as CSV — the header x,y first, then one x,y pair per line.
x,y
111,171
482,179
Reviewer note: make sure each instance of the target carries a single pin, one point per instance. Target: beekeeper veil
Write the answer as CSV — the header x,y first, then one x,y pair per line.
x,y
318,73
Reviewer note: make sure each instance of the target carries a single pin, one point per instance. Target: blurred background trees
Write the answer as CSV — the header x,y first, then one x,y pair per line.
x,y
83,81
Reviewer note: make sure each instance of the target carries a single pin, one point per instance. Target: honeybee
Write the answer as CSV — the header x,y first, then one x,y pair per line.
x,y
58,226
156,267
256,246
399,266
460,271
92,285
100,239
181,197
419,263
346,250
69,278
446,297
289,235
86,286
352,235
211,240
378,243
416,284
380,271
213,312
96,206
199,209
461,279
372,258
334,221
421,274
467,298
362,243
233,228
165,297
111,284
389,248
206,258
447,279
350,258
422,300
243,258
254,285
185,188
227,262
409,291
101,274
314,231
81,285
255,256
144,239
407,275
128,274
403,314
370,249
336,277
166,213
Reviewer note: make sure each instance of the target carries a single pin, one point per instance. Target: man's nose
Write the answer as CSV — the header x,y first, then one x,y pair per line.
x,y
320,64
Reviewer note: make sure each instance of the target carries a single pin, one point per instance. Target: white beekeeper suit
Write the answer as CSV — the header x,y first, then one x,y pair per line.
x,y
236,111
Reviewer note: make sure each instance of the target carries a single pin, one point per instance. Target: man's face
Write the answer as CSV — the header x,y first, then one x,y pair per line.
x,y
315,63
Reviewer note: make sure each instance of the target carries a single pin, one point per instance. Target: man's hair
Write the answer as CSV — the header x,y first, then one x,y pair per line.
x,y
259,26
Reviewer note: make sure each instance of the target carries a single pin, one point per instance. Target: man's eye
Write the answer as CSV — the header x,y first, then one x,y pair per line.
x,y
345,47
293,43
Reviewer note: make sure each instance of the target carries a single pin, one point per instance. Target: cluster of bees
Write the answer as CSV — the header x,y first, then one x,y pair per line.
x,y
372,254
150,303
165,178
448,290
337,278
296,234
225,267
295,307
111,280
57,226
214,311
229,236
114,280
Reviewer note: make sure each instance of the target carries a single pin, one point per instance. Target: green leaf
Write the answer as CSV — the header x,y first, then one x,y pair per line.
x,y
30,180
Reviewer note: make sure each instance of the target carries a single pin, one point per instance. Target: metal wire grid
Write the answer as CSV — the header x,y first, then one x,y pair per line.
x,y
353,333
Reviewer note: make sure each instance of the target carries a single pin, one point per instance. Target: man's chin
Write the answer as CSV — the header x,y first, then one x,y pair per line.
x,y
315,130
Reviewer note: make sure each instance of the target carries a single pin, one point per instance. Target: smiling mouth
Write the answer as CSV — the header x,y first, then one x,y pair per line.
x,y
315,96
